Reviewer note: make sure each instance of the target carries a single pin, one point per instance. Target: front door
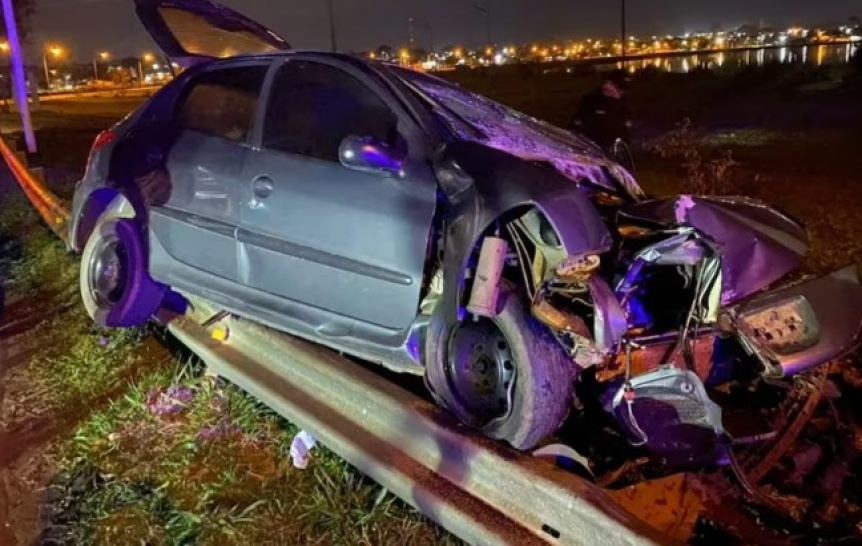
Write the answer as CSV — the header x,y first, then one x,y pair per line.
x,y
212,126
315,232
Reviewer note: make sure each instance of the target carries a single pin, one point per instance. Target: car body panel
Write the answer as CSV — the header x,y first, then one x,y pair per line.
x,y
197,225
476,118
806,324
398,350
368,244
758,245
503,183
194,31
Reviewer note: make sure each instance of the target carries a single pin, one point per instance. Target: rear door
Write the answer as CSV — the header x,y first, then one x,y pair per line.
x,y
331,238
204,155
191,31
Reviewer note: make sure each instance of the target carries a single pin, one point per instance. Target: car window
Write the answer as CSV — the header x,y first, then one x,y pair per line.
x,y
223,102
315,106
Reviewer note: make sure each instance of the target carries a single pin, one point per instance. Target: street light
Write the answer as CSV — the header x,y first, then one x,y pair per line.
x,y
104,55
57,52
4,47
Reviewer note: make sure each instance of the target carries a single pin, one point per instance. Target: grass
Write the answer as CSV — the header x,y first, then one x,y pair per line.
x,y
151,449
214,469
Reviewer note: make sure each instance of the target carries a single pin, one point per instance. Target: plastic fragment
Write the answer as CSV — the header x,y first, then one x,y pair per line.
x,y
300,449
565,457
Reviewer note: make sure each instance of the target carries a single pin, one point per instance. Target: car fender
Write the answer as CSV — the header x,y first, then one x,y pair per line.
x,y
498,186
99,204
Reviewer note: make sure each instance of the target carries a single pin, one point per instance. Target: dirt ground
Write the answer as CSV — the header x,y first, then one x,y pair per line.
x,y
797,139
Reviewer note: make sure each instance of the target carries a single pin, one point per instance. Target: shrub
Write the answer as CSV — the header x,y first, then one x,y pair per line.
x,y
704,175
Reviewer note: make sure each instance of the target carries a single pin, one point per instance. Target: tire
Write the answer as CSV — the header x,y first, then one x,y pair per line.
x,y
542,378
130,297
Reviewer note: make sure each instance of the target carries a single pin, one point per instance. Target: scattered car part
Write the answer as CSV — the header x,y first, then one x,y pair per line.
x,y
799,327
669,411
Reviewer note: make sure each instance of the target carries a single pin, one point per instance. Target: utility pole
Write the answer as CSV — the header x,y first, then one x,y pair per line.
x,y
487,12
19,83
427,26
623,28
47,72
332,38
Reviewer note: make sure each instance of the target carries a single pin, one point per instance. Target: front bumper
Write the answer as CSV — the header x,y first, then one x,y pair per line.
x,y
797,328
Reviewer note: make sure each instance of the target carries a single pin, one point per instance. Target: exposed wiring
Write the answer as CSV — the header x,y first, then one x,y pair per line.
x,y
629,396
521,250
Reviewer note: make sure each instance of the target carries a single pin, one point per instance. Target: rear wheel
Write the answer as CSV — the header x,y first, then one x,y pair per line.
x,y
506,376
116,287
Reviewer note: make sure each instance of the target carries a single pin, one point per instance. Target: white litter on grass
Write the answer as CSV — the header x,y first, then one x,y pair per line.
x,y
300,449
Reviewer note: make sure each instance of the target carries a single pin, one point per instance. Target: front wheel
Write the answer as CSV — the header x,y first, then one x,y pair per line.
x,y
116,287
507,376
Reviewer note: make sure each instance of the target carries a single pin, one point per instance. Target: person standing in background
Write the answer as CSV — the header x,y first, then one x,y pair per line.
x,y
604,116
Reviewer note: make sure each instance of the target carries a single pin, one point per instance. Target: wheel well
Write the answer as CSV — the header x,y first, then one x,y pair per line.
x,y
500,224
101,202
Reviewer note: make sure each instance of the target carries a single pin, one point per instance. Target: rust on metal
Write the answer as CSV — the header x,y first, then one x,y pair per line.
x,y
765,464
670,505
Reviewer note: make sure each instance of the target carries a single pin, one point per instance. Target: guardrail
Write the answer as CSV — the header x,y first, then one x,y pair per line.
x,y
478,489
50,208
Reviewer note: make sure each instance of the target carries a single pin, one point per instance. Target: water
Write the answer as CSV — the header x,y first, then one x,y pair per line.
x,y
819,55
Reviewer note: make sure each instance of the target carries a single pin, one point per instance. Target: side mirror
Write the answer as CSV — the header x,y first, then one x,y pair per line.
x,y
365,154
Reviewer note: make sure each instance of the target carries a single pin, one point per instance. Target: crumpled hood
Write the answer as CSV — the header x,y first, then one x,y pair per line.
x,y
475,118
758,244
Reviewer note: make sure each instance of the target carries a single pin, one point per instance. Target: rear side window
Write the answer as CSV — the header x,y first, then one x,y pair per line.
x,y
223,102
314,107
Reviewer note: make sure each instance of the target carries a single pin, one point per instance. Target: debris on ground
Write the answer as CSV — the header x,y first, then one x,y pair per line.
x,y
170,401
300,449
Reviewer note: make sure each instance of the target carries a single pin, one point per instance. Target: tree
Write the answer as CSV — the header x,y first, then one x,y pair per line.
x,y
23,14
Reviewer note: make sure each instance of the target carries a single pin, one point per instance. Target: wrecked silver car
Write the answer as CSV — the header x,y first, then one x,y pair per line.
x,y
395,217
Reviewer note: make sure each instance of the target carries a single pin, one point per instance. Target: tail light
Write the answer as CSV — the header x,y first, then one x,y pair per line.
x,y
103,139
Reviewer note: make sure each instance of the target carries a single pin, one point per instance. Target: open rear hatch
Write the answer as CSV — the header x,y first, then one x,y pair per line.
x,y
193,31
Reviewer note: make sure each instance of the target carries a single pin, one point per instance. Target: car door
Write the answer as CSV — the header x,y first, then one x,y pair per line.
x,y
192,31
347,242
205,147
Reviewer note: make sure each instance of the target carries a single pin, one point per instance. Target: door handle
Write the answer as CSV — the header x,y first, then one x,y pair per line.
x,y
262,186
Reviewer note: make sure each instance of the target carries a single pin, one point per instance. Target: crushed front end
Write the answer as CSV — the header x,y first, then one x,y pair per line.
x,y
682,312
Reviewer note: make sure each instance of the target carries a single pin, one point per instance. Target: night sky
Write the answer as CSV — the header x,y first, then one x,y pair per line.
x,y
87,26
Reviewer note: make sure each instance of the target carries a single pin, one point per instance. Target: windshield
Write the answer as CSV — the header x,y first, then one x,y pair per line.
x,y
477,118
